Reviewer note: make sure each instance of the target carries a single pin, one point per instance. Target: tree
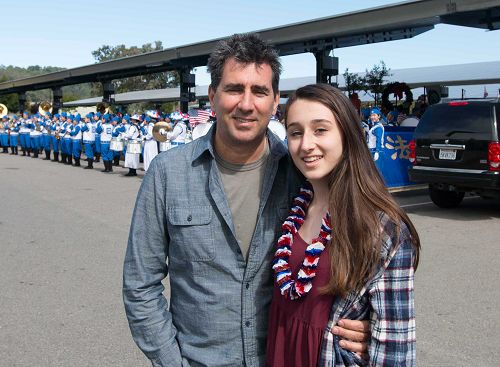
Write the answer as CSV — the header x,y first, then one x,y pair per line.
x,y
142,82
374,80
353,82
70,92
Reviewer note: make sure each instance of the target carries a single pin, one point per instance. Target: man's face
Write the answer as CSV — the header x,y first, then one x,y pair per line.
x,y
243,102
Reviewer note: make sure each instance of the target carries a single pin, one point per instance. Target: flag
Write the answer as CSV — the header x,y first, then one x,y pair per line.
x,y
198,117
485,93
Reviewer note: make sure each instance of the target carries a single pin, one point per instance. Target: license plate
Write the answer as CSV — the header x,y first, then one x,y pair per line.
x,y
450,154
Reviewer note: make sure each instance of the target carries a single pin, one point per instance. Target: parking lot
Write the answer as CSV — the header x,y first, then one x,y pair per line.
x,y
63,233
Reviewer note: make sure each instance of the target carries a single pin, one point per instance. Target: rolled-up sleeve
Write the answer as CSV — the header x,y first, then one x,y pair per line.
x,y
393,318
144,269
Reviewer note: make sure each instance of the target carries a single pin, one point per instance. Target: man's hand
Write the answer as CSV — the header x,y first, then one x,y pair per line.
x,y
355,335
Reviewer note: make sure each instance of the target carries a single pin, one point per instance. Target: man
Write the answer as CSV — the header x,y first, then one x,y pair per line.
x,y
212,208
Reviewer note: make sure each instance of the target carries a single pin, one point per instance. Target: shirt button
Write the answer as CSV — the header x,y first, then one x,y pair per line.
x,y
247,285
247,323
189,218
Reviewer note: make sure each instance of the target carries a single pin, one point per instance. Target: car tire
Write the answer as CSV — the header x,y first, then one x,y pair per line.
x,y
445,198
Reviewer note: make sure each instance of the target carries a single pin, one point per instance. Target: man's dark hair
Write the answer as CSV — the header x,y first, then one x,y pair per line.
x,y
246,48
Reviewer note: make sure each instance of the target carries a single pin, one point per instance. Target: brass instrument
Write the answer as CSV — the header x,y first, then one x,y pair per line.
x,y
44,108
4,111
159,131
102,108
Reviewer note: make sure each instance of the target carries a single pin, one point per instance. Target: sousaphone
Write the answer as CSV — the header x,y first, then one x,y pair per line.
x,y
4,111
44,108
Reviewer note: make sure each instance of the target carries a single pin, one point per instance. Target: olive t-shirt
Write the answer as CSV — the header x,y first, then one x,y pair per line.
x,y
243,187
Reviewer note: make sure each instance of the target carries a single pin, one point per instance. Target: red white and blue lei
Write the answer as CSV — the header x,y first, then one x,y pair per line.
x,y
297,288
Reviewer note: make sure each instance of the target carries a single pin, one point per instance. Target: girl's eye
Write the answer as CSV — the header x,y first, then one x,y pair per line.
x,y
295,133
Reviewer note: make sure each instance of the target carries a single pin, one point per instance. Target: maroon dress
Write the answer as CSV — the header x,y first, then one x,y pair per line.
x,y
296,327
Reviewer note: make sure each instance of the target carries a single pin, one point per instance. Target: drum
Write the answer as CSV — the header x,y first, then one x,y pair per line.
x,y
134,147
116,145
164,146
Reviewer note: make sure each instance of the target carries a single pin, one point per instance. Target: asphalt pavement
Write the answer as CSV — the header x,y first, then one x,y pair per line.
x,y
63,233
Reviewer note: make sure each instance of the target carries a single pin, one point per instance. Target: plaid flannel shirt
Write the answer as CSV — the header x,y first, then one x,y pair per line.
x,y
387,301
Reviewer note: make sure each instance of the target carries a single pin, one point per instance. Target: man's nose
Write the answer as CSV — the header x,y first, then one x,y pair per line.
x,y
246,101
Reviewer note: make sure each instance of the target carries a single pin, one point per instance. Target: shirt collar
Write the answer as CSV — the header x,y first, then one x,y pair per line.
x,y
277,149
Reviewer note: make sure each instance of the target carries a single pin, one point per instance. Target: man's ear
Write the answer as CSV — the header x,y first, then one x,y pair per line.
x,y
276,102
211,94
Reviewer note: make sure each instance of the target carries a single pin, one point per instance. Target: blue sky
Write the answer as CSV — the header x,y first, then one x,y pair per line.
x,y
64,33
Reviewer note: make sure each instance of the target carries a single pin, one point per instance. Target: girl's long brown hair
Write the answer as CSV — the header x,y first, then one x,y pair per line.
x,y
357,197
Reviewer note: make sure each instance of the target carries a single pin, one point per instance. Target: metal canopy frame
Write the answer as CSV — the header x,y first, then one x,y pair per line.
x,y
394,22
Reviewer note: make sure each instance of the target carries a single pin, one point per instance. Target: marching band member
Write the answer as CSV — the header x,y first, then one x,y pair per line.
x,y
178,134
4,134
63,128
67,140
76,139
105,130
150,145
45,140
24,133
97,143
375,133
35,135
203,127
119,131
14,135
376,137
133,135
54,136
88,130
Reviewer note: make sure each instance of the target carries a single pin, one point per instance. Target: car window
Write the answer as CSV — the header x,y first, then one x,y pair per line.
x,y
454,120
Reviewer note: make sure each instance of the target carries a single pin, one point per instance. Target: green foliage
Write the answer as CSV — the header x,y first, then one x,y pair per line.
x,y
141,82
374,80
9,100
353,82
70,93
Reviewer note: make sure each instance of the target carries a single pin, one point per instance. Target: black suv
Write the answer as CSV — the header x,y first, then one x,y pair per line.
x,y
456,150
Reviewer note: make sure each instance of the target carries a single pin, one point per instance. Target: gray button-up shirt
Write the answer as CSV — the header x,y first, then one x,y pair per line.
x,y
182,226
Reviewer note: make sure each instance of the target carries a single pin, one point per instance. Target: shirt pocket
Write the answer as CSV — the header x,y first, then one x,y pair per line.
x,y
191,233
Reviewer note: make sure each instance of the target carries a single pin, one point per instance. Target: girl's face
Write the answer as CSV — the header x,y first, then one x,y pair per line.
x,y
314,139
374,117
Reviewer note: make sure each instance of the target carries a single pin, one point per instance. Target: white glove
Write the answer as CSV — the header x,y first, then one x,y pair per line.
x,y
375,156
